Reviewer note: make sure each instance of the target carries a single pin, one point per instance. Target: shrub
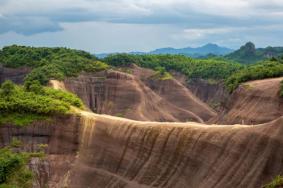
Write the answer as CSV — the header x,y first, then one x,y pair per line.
x,y
281,89
34,86
22,107
7,88
266,69
13,169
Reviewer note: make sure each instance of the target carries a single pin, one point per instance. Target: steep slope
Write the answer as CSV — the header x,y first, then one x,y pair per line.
x,y
129,95
17,75
212,93
105,151
253,102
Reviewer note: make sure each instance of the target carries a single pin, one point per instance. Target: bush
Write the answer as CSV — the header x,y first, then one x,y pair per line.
x,y
13,170
66,97
7,88
34,86
266,69
25,105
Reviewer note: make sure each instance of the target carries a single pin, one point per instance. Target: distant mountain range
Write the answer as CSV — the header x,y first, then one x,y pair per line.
x,y
247,54
205,50
195,52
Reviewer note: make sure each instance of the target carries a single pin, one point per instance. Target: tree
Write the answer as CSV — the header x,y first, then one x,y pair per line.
x,y
34,86
7,88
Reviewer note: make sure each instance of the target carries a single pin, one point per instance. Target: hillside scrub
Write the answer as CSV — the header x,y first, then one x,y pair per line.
x,y
50,63
262,70
14,171
21,107
161,74
212,68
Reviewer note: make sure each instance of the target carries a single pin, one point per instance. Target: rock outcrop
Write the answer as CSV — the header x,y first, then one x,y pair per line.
x,y
137,96
210,92
16,75
253,103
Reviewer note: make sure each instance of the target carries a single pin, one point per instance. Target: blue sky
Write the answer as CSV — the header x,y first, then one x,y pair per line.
x,y
140,25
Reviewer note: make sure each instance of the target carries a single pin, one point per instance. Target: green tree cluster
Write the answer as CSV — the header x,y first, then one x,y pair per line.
x,y
50,63
261,70
34,100
212,68
13,169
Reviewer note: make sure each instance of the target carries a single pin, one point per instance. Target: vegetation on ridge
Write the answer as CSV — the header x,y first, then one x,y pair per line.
x,y
249,54
192,68
50,63
266,69
20,106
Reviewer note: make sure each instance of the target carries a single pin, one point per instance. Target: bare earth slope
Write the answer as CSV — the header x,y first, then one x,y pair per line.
x,y
253,103
138,96
104,151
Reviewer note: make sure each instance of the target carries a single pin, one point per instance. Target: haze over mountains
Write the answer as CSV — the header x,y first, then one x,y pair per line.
x,y
188,51
246,54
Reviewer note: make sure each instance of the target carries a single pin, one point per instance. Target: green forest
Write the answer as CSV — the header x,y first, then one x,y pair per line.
x,y
49,63
218,69
20,105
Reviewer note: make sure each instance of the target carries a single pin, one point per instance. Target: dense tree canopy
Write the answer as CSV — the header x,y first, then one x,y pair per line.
x,y
36,100
192,68
261,70
50,63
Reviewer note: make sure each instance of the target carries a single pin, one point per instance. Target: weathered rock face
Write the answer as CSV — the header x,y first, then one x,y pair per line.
x,y
213,94
116,152
105,151
16,75
62,139
253,103
136,96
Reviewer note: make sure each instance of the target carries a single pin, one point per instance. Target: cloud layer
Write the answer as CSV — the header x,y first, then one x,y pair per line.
x,y
187,20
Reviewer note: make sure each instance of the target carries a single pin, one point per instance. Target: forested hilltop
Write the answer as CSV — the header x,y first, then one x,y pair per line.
x,y
249,54
58,63
20,105
216,69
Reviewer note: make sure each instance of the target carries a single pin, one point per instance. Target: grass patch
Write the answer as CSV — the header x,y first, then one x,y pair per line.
x,y
21,120
162,74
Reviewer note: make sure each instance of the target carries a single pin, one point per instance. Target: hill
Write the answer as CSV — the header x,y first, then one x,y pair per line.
x,y
203,51
195,52
249,54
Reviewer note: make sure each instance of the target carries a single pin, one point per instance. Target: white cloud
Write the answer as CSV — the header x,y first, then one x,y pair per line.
x,y
163,22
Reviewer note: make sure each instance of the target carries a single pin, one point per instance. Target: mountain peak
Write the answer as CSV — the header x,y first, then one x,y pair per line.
x,y
211,45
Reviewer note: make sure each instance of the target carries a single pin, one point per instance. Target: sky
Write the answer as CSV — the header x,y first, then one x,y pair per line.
x,y
101,26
